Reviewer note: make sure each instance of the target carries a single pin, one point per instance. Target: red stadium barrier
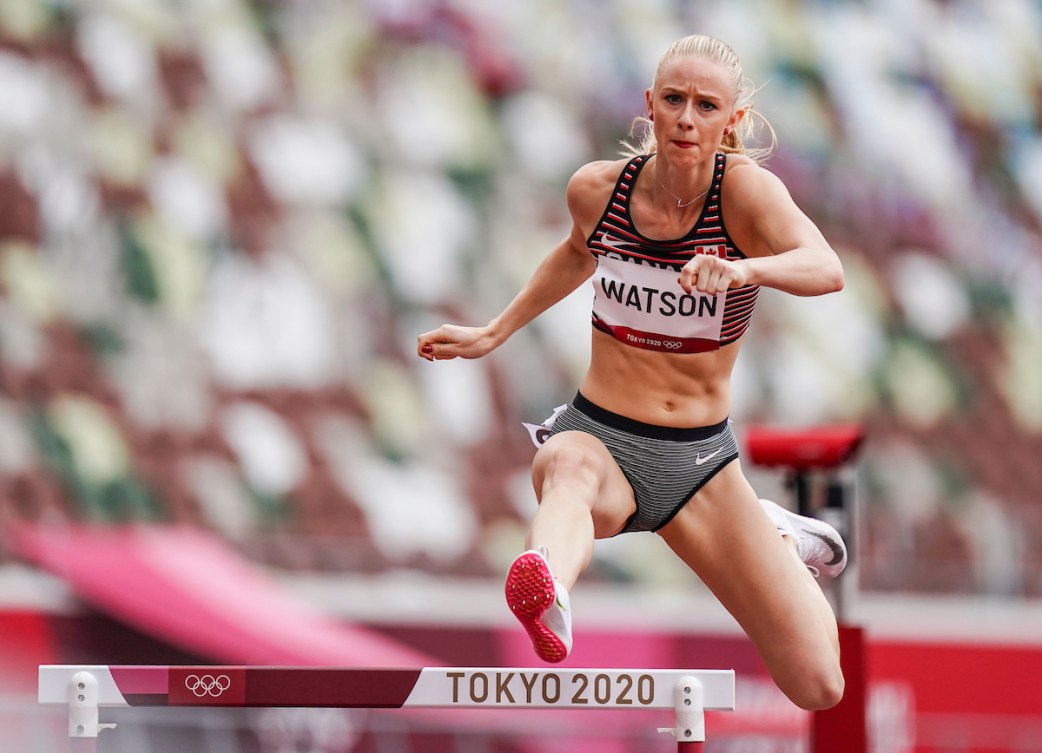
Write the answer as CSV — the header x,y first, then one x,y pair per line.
x,y
803,449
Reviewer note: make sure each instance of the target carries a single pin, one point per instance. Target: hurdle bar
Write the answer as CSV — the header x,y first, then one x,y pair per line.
x,y
84,689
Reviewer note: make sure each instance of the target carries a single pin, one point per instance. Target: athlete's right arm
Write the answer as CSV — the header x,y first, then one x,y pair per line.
x,y
563,270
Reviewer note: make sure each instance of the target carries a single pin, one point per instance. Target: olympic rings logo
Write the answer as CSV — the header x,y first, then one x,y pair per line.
x,y
207,685
673,345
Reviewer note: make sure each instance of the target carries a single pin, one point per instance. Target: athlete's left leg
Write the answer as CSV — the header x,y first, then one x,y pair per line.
x,y
726,538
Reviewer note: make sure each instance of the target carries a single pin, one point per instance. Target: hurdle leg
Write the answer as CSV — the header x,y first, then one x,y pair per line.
x,y
689,705
82,696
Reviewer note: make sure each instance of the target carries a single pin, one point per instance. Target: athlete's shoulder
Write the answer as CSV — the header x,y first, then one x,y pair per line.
x,y
743,170
591,185
597,174
750,185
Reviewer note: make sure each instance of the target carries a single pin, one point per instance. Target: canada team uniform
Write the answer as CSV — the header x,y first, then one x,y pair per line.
x,y
638,301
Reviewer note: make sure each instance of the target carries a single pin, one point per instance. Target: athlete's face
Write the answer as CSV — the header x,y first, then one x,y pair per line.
x,y
691,103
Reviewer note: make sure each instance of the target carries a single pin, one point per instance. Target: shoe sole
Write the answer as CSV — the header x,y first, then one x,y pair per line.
x,y
530,593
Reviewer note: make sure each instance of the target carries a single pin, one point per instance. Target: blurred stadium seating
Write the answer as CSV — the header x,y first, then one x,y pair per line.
x,y
223,224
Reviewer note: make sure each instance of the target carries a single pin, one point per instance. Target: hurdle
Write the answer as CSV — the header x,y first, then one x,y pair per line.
x,y
85,689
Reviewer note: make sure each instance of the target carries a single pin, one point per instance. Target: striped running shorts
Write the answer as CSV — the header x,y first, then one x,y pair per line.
x,y
665,466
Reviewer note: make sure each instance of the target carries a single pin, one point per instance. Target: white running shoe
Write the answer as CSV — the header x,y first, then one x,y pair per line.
x,y
819,545
541,605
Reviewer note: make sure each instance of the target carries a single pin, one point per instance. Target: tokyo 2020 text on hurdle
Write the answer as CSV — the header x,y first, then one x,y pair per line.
x,y
689,692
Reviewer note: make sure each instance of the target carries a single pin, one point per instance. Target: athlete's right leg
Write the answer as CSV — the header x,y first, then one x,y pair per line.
x,y
583,495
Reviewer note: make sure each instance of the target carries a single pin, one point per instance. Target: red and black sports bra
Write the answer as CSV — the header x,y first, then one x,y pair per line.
x,y
637,299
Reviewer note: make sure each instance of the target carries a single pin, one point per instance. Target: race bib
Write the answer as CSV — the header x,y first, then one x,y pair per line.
x,y
645,307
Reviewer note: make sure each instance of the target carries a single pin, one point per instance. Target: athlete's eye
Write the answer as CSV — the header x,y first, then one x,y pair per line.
x,y
705,105
673,99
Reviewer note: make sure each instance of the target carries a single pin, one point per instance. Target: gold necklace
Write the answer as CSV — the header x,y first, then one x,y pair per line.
x,y
680,203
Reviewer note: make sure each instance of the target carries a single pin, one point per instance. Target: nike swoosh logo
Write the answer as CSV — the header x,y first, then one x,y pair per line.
x,y
837,553
699,459
610,242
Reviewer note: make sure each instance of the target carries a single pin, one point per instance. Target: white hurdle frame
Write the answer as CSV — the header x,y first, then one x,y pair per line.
x,y
84,689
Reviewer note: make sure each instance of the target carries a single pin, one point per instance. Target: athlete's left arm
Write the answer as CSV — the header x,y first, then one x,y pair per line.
x,y
784,249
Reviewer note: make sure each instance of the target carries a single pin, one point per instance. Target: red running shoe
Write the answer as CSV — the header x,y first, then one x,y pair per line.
x,y
541,605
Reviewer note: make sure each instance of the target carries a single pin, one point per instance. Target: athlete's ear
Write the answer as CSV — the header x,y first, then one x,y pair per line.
x,y
736,118
648,99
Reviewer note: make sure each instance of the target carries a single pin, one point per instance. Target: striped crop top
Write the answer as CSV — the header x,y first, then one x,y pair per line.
x,y
637,298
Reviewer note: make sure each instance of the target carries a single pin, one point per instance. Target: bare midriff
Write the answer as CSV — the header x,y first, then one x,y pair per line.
x,y
664,389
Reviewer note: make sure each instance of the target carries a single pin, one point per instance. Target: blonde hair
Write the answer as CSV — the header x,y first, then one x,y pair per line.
x,y
734,141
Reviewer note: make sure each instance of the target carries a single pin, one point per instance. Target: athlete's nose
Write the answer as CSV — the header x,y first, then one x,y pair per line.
x,y
687,118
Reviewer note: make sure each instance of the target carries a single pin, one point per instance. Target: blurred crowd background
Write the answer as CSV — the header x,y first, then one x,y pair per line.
x,y
223,224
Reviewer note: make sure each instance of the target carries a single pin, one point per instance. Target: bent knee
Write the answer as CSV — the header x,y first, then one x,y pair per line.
x,y
821,690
